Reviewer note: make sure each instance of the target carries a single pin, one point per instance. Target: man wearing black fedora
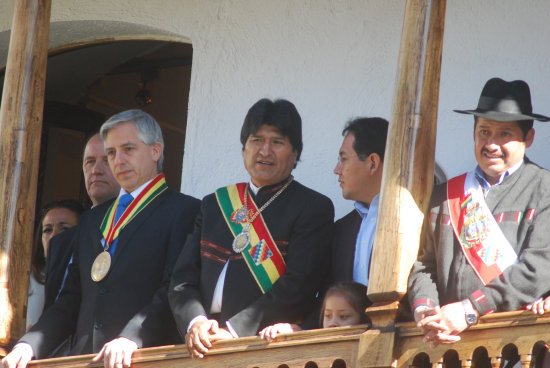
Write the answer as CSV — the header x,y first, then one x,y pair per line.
x,y
487,249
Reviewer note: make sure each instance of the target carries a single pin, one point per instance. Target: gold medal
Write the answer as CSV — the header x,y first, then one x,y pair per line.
x,y
101,266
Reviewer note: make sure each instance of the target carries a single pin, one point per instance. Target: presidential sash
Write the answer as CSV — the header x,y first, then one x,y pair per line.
x,y
110,230
263,258
481,239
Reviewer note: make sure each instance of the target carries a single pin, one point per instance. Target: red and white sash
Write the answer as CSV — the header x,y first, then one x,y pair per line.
x,y
480,237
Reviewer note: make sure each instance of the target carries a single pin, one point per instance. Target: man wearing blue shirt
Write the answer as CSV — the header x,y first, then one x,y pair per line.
x,y
359,170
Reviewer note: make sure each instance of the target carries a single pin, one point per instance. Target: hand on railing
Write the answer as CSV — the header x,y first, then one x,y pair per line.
x,y
18,357
539,306
444,325
422,312
271,332
117,353
202,334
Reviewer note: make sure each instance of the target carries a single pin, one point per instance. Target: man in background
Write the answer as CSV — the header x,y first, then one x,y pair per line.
x,y
115,297
100,186
359,169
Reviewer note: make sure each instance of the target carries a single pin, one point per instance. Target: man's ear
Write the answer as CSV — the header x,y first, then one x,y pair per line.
x,y
374,162
529,137
156,151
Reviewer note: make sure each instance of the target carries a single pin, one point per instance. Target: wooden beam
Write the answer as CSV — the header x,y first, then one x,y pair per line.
x,y
410,150
408,174
20,131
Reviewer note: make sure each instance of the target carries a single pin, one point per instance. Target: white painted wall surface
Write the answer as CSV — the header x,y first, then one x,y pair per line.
x,y
335,59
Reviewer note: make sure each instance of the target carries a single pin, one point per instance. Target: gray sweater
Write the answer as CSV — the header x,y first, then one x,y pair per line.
x,y
442,275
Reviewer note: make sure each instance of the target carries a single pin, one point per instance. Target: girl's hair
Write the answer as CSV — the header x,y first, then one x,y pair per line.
x,y
354,293
38,261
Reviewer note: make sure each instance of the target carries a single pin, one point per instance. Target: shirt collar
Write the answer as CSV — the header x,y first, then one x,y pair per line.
x,y
272,187
136,192
480,175
253,188
363,209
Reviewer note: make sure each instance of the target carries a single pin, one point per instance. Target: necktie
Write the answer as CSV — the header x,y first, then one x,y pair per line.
x,y
123,202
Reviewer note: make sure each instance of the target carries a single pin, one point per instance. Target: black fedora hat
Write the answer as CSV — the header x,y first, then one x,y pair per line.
x,y
505,101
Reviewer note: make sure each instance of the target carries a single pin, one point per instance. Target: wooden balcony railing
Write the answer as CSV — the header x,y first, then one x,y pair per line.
x,y
335,347
484,345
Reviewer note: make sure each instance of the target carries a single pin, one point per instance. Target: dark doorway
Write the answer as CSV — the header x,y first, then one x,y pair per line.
x,y
87,84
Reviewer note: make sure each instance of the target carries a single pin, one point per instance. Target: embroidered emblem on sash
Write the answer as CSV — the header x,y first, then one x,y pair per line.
x,y
475,227
489,255
239,215
260,252
481,239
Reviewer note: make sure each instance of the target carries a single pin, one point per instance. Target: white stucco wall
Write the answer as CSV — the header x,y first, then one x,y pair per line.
x,y
509,39
318,54
335,59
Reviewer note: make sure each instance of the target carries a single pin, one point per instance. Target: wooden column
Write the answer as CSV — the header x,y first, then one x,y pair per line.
x,y
408,171
20,130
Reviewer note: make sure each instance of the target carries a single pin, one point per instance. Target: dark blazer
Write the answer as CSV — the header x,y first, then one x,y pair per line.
x,y
343,247
59,255
131,301
300,221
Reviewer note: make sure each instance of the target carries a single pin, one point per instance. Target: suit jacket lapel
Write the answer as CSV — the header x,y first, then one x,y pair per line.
x,y
97,241
96,235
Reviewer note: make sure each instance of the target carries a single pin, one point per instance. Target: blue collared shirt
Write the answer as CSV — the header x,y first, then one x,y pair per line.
x,y
365,238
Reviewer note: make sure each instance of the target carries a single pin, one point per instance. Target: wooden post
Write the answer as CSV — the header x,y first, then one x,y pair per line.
x,y
408,171
20,131
409,159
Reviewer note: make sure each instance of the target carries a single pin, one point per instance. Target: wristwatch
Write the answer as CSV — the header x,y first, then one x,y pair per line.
x,y
470,314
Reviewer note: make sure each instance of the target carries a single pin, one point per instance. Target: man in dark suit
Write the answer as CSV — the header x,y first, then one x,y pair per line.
x,y
115,297
100,186
258,250
359,170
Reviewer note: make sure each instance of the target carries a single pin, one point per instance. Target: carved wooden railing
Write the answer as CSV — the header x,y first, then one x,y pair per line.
x,y
336,347
483,345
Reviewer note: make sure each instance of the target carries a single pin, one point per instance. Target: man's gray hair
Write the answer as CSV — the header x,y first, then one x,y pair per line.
x,y
148,129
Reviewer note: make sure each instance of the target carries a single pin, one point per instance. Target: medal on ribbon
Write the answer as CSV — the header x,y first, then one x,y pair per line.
x,y
111,230
251,235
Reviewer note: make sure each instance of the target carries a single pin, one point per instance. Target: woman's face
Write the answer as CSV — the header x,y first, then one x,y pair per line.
x,y
56,221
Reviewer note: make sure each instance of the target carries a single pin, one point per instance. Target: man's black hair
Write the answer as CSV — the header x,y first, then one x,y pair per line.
x,y
281,114
370,136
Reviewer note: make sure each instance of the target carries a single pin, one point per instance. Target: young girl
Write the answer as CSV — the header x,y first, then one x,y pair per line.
x,y
344,305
